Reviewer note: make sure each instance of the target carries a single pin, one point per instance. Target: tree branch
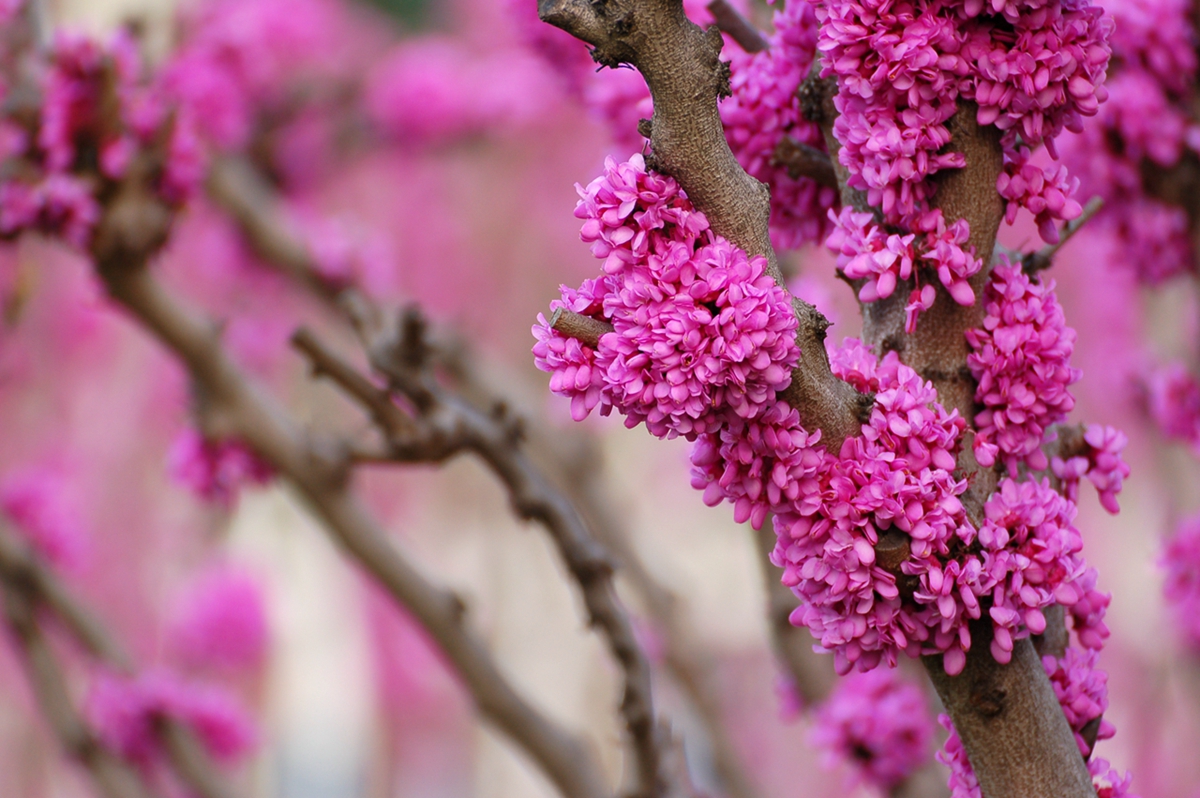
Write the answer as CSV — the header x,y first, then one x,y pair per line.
x,y
320,477
682,66
737,27
446,425
1044,257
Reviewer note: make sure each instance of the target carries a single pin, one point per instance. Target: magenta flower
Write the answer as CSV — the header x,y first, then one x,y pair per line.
x,y
1021,358
219,621
876,723
215,470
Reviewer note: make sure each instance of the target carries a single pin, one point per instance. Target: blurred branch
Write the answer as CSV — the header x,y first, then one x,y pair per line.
x,y
443,425
30,584
737,27
320,474
249,199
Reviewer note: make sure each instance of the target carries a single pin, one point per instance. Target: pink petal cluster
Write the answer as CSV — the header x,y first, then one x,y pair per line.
x,y
1042,75
40,505
1101,463
1173,400
764,110
897,474
700,330
1021,359
215,470
219,622
878,724
1181,588
126,711
98,111
1082,690
881,259
1046,193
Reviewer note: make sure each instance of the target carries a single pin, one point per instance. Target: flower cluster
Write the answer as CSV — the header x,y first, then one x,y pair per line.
x,y
764,110
1181,561
126,713
877,723
901,67
215,470
1101,462
1021,358
1173,400
77,142
896,475
1082,691
881,259
1046,193
701,332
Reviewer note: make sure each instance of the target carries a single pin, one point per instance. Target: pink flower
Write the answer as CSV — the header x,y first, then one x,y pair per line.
x,y
1021,358
219,621
1082,690
876,723
125,713
215,470
1181,562
1101,463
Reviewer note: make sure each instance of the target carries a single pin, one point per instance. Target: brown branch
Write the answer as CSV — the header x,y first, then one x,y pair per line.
x,y
737,27
804,160
320,478
584,329
1044,257
682,66
446,425
1013,729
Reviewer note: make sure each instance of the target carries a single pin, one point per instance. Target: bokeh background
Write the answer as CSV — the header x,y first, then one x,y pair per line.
x,y
470,215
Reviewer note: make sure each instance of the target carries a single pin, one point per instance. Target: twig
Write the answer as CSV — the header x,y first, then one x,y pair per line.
x,y
582,328
254,417
737,27
446,425
1044,257
804,160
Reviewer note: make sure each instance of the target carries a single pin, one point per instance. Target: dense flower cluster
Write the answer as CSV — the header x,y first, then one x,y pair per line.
x,y
902,67
1181,561
896,474
878,724
764,110
126,713
215,470
1021,358
701,333
1101,462
1082,691
868,252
